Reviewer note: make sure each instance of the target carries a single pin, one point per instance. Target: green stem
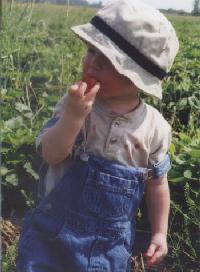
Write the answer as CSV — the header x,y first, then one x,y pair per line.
x,y
1,14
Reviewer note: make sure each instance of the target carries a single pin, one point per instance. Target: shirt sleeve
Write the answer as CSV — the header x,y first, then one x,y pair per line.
x,y
51,122
159,148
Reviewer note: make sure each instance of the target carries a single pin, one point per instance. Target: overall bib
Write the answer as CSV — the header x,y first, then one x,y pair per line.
x,y
86,223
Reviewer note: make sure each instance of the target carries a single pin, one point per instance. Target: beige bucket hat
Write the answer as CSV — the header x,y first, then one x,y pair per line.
x,y
138,40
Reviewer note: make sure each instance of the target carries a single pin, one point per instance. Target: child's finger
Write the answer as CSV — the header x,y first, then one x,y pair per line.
x,y
150,251
78,89
73,89
82,88
156,258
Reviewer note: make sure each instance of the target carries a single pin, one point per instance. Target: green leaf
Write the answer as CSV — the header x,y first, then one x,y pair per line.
x,y
182,103
4,171
28,198
21,107
12,179
184,137
178,160
14,122
194,153
176,180
28,115
187,174
3,91
30,170
172,148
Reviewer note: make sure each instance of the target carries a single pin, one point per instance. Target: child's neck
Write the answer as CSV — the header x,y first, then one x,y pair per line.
x,y
120,106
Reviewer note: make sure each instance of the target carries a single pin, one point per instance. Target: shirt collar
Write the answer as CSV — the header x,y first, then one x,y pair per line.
x,y
102,108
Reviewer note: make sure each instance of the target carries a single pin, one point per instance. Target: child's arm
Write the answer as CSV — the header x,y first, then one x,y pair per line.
x,y
57,142
158,203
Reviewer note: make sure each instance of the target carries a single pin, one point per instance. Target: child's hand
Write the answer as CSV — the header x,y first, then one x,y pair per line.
x,y
157,249
81,97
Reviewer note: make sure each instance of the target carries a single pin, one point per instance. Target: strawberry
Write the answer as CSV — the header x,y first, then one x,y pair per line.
x,y
91,81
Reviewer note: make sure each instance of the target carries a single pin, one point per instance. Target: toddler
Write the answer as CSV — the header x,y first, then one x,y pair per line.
x,y
104,147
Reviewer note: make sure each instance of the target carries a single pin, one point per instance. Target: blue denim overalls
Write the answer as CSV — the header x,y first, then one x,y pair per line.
x,y
86,223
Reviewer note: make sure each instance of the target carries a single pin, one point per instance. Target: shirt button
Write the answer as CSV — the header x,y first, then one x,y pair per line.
x,y
117,123
84,157
113,140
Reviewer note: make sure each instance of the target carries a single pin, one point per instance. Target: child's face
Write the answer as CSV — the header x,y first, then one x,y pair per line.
x,y
112,84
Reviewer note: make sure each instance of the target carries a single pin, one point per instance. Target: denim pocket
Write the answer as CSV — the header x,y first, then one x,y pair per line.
x,y
109,196
108,255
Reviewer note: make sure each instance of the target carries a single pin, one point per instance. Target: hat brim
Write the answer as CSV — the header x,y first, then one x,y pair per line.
x,y
124,65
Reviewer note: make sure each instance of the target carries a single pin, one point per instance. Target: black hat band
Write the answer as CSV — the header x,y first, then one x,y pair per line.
x,y
127,48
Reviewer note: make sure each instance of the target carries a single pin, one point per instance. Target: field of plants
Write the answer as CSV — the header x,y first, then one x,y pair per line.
x,y
39,58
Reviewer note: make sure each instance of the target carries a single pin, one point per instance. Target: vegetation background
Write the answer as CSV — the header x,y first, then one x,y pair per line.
x,y
39,58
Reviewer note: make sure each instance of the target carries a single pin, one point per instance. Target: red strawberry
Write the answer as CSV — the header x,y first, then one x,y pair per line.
x,y
91,81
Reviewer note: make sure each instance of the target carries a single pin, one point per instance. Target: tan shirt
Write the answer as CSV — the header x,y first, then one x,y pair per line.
x,y
140,138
